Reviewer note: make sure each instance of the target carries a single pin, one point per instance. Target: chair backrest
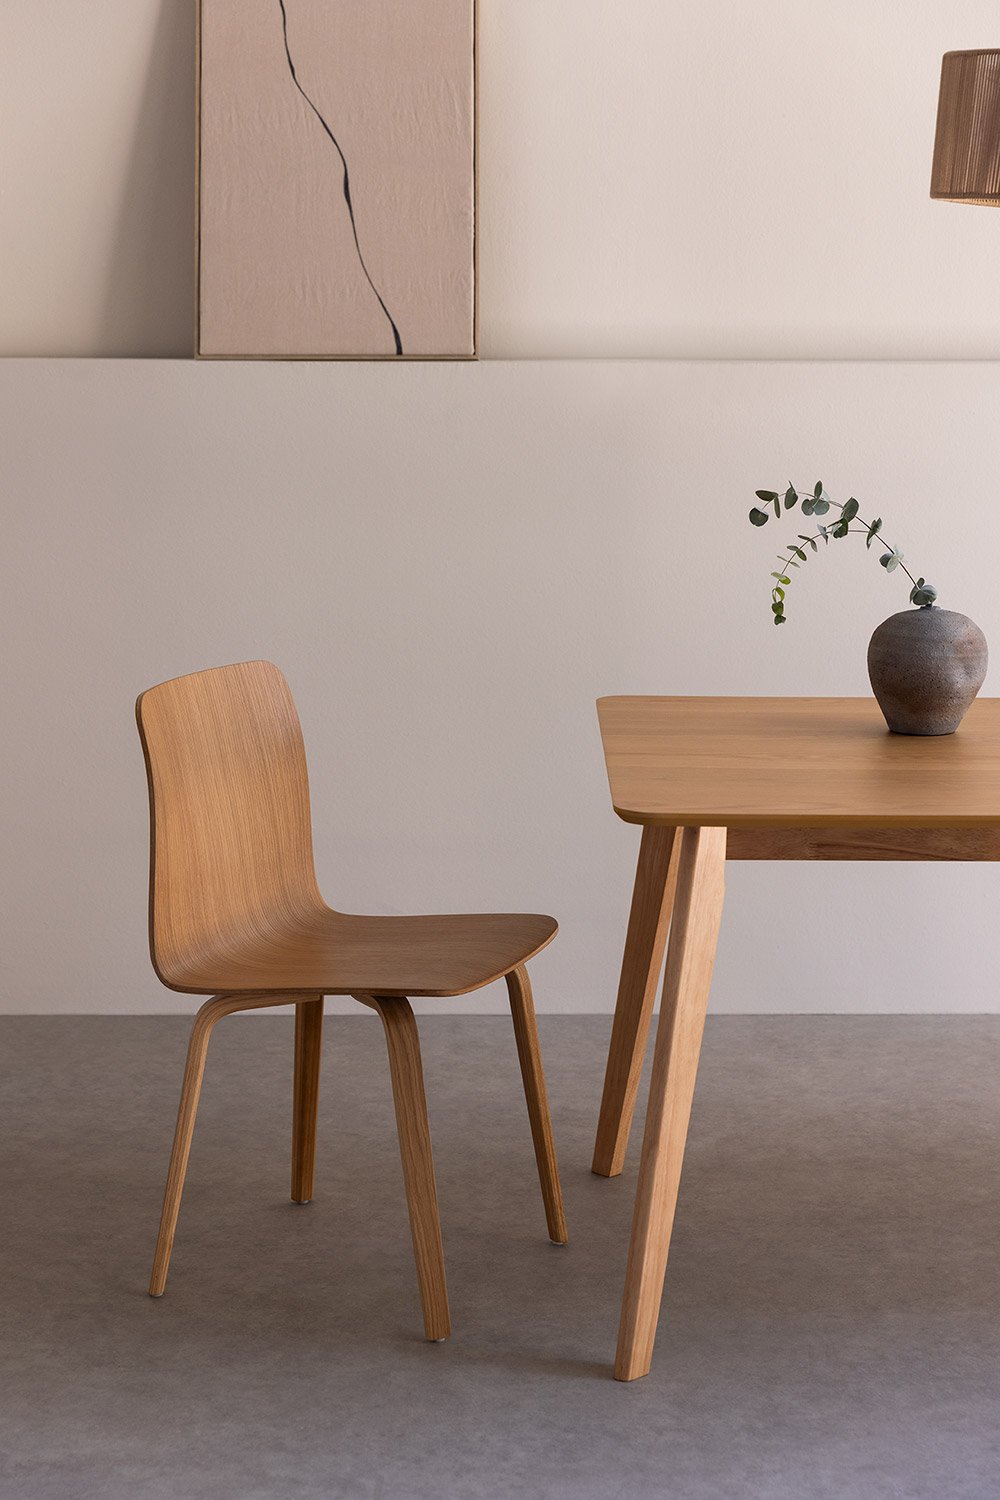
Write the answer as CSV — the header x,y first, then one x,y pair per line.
x,y
231,839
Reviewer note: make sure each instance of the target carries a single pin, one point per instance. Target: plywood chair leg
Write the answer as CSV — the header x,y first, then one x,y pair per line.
x,y
418,1165
305,1101
529,1055
701,881
194,1070
649,919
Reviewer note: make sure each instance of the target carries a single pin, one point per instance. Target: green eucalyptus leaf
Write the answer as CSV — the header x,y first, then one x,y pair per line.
x,y
922,594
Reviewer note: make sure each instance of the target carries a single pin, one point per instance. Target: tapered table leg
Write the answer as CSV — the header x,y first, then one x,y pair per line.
x,y
691,955
649,919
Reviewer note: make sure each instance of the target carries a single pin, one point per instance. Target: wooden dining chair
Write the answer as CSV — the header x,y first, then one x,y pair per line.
x,y
236,913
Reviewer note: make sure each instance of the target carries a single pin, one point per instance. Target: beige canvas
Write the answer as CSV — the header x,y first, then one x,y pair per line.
x,y
336,181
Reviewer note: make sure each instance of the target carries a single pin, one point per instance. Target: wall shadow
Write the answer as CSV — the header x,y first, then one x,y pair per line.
x,y
149,299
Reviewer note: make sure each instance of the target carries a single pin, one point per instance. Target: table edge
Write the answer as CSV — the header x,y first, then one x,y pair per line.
x,y
804,820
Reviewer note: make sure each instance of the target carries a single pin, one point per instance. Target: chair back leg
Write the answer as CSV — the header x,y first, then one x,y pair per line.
x,y
522,1009
305,1101
415,1150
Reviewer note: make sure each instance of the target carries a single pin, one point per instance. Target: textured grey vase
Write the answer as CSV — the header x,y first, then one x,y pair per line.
x,y
926,666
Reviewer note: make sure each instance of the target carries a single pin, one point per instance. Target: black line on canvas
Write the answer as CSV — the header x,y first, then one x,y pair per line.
x,y
347,180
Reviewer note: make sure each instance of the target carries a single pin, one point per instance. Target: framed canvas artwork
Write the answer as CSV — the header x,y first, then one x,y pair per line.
x,y
336,179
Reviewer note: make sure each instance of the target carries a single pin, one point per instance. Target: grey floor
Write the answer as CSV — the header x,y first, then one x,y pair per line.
x,y
831,1326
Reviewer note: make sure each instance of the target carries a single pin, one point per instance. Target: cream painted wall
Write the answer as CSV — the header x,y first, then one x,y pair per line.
x,y
707,180
451,562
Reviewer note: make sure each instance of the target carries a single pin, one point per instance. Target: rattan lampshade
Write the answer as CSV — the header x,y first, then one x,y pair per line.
x,y
967,145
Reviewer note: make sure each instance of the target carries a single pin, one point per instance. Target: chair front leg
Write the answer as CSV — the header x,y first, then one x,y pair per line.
x,y
194,1070
305,1102
403,1044
529,1054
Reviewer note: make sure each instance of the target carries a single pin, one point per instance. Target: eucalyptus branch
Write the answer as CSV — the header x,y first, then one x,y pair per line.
x,y
818,503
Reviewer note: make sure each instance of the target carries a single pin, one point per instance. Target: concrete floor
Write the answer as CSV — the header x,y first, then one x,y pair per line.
x,y
831,1326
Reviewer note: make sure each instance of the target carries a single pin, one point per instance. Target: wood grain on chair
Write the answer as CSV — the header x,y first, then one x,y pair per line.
x,y
236,913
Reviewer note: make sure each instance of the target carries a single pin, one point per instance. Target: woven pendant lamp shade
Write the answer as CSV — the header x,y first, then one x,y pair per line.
x,y
967,145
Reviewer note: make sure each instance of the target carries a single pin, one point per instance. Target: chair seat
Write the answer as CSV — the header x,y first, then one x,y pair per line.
x,y
333,953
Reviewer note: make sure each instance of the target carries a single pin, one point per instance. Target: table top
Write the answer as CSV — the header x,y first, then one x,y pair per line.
x,y
796,762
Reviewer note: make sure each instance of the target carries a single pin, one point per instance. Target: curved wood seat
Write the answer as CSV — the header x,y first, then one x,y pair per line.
x,y
337,954
236,913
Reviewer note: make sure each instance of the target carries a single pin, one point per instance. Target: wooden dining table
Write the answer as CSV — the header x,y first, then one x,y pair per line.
x,y
715,779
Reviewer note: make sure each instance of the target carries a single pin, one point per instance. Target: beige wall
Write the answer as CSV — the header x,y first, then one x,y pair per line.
x,y
712,179
451,563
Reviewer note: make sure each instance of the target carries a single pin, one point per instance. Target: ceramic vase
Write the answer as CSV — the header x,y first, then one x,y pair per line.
x,y
926,667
